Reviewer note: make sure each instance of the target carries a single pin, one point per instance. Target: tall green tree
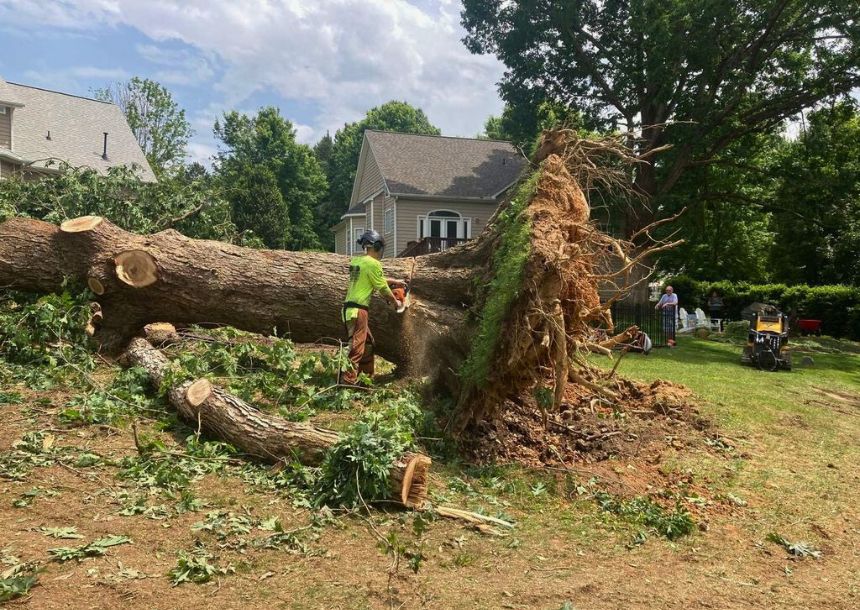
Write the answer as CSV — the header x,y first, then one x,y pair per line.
x,y
816,205
155,118
726,226
699,75
323,152
391,116
273,183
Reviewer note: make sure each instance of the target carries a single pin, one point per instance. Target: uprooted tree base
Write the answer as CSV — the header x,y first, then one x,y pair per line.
x,y
510,315
588,430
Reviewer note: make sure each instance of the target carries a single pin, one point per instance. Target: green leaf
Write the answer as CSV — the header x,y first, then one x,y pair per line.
x,y
61,532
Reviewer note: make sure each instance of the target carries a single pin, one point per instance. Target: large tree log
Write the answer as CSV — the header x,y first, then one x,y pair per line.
x,y
166,276
268,438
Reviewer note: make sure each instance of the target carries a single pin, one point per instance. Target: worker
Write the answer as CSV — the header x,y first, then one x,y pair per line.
x,y
365,277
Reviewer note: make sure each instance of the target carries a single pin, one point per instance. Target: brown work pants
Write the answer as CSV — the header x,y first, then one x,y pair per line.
x,y
360,347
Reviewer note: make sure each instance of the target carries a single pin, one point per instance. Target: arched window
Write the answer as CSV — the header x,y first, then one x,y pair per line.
x,y
444,224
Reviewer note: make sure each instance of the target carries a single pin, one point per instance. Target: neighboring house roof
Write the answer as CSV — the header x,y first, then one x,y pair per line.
x,y
442,166
77,126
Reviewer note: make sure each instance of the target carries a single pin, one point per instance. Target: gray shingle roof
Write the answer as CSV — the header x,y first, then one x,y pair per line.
x,y
442,166
358,208
77,127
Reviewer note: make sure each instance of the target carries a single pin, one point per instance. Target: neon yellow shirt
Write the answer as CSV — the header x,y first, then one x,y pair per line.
x,y
365,276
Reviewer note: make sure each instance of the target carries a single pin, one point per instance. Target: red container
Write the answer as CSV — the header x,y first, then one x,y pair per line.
x,y
809,326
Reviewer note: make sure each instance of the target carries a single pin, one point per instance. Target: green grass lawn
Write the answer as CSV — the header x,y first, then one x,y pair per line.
x,y
798,429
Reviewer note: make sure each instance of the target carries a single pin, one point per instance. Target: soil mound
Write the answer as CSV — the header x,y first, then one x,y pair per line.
x,y
644,421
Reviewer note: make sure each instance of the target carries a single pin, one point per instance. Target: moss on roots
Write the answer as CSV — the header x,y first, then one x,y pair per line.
x,y
499,293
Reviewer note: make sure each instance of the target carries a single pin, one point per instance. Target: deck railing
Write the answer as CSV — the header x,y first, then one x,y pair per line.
x,y
430,245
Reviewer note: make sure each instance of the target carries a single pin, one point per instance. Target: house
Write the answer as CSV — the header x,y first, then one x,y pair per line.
x,y
425,193
41,128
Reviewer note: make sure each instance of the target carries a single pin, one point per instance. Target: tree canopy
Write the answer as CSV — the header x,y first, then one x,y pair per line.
x,y
816,202
698,75
157,121
273,183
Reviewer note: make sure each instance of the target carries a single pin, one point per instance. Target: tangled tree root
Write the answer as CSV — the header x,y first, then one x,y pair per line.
x,y
555,308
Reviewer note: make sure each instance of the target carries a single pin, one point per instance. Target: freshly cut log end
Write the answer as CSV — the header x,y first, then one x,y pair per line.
x,y
409,479
81,224
159,333
96,286
136,268
198,392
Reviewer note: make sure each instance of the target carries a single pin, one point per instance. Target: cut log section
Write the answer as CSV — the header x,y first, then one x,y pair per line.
x,y
81,224
198,392
268,438
95,285
136,268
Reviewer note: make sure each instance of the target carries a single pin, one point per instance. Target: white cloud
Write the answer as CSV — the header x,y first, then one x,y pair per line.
x,y
71,79
305,134
202,152
344,56
177,67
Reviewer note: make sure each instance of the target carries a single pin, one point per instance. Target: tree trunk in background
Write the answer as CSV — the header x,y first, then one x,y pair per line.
x,y
141,279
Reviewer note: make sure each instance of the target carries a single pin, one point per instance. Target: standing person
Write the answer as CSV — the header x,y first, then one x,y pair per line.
x,y
365,277
668,305
715,307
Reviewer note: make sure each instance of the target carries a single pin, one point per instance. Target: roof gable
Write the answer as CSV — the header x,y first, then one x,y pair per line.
x,y
76,125
441,166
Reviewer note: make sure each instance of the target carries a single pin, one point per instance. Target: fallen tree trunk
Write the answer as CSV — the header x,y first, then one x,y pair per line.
x,y
225,417
139,279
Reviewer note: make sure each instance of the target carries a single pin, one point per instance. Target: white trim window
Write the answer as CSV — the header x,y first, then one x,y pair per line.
x,y
3,110
446,227
388,220
353,243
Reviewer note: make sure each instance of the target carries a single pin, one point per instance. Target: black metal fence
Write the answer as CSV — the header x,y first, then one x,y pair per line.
x,y
658,325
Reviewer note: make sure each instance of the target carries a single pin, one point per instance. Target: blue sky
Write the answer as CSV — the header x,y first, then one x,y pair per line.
x,y
322,62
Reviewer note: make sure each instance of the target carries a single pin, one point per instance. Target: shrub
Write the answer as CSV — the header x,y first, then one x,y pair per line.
x,y
838,306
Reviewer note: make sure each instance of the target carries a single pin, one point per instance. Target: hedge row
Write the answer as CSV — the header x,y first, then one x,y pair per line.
x,y
837,306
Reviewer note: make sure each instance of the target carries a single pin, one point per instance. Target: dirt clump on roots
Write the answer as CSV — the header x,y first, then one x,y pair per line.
x,y
644,422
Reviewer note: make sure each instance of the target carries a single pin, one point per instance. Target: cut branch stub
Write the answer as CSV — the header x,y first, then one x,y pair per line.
x,y
409,479
81,224
136,268
198,392
96,285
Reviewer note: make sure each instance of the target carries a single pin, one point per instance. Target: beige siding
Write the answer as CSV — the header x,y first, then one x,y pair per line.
x,y
340,238
6,128
378,210
391,251
375,206
7,170
408,211
369,176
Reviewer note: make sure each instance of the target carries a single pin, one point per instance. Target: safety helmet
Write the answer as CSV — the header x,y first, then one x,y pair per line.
x,y
373,239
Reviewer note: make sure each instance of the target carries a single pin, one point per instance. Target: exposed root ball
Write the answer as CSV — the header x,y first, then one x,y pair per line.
x,y
557,305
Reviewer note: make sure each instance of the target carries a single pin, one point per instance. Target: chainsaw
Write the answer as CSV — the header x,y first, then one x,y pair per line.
x,y
401,291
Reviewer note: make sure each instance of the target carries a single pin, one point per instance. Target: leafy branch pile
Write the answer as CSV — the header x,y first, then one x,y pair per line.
x,y
42,345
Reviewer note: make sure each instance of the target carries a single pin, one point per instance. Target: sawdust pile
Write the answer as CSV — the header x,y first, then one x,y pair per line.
x,y
644,421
